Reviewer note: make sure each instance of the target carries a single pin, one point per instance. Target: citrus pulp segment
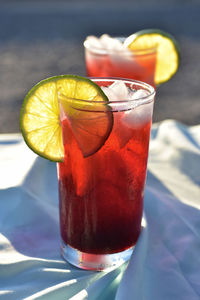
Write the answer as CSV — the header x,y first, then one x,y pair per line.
x,y
40,116
167,51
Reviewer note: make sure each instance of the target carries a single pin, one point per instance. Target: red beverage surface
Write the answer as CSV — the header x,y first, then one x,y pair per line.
x,y
101,196
139,67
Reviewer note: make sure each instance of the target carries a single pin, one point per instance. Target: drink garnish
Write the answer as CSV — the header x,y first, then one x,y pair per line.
x,y
168,53
80,99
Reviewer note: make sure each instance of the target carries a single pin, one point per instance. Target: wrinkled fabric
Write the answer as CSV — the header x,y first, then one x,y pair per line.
x,y
165,263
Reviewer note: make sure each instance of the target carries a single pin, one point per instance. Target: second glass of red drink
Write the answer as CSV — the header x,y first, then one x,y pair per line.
x,y
107,57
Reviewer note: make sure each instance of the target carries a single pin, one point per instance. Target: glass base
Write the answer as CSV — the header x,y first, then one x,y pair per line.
x,y
96,262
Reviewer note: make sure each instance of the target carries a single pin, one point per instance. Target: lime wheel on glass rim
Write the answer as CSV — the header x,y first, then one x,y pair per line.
x,y
168,53
80,99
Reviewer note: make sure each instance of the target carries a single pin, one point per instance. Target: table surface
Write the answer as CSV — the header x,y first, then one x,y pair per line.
x,y
39,39
165,264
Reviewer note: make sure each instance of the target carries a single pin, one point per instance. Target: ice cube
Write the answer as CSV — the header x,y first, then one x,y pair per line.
x,y
116,92
110,43
119,55
109,93
137,94
135,112
120,90
106,44
139,112
93,41
139,115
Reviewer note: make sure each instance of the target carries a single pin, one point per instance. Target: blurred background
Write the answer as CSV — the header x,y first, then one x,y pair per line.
x,y
39,39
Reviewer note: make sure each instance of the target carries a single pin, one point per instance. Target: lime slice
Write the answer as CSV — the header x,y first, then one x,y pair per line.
x,y
40,116
167,51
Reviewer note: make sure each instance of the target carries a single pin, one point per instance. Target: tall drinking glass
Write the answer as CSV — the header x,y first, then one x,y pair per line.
x,y
101,193
138,64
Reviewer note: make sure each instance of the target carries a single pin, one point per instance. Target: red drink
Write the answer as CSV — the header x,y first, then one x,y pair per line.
x,y
101,196
138,65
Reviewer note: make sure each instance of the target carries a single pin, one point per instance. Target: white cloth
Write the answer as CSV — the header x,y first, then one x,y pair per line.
x,y
166,261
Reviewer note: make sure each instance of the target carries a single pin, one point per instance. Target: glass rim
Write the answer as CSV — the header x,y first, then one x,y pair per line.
x,y
124,52
142,100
